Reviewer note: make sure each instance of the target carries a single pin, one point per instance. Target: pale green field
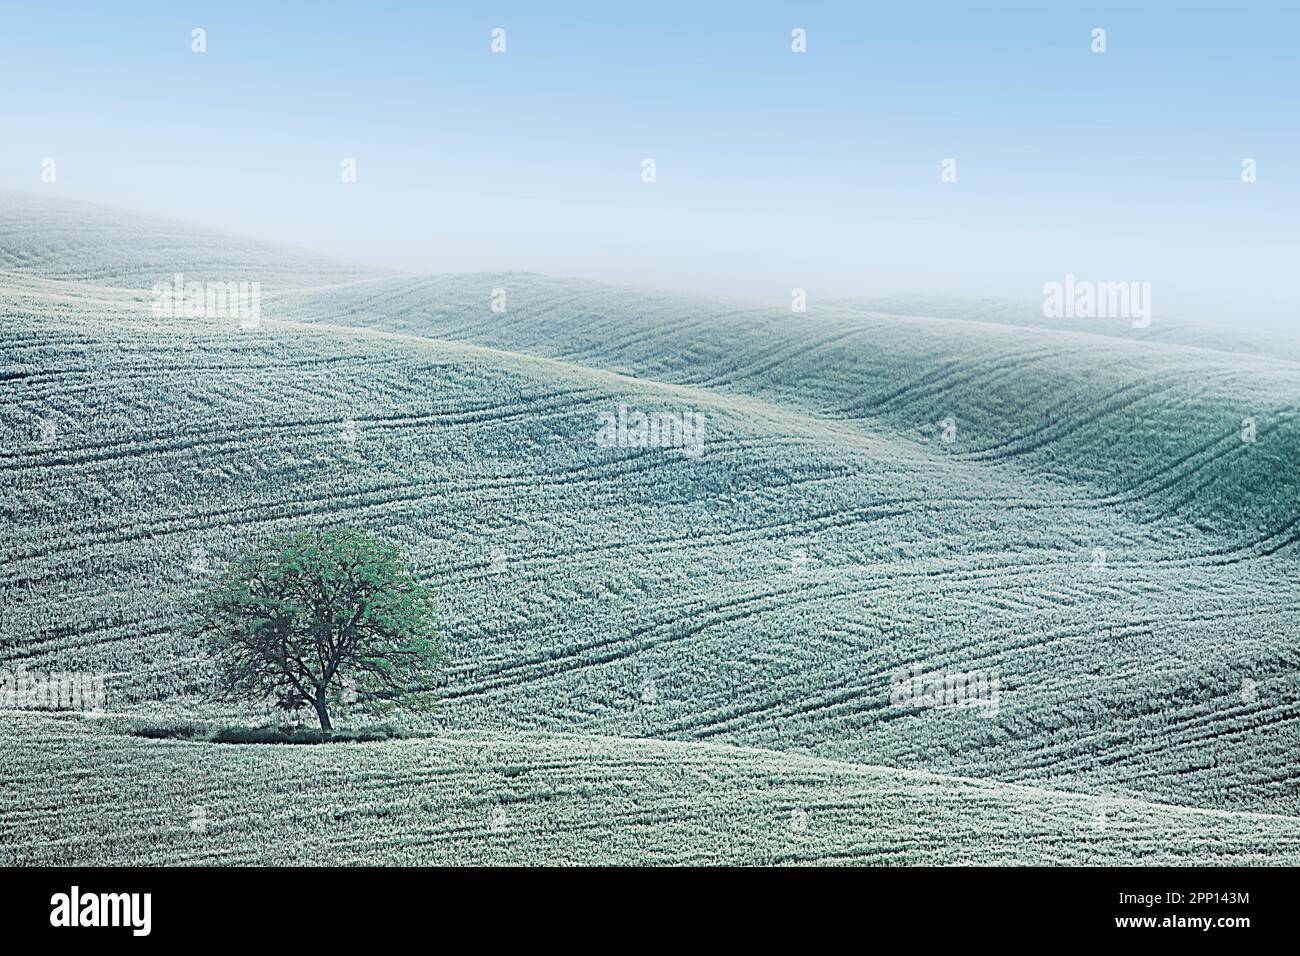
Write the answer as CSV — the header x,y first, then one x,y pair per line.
x,y
759,596
493,798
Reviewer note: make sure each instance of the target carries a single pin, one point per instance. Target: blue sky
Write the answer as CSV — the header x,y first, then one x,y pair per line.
x,y
774,169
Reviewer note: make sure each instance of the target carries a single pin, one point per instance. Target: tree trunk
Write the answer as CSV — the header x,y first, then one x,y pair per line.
x,y
323,713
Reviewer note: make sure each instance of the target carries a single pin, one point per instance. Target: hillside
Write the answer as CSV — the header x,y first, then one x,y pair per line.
x,y
1128,420
82,242
763,594
485,799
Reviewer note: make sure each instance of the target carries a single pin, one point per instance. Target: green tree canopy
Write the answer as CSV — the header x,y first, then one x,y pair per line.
x,y
319,616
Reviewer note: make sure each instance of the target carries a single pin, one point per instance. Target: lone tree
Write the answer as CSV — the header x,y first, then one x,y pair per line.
x,y
320,616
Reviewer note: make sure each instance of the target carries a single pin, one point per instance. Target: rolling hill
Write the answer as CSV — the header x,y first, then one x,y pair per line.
x,y
1105,525
469,798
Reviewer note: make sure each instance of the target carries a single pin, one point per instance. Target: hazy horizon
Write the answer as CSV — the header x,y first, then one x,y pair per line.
x,y
774,169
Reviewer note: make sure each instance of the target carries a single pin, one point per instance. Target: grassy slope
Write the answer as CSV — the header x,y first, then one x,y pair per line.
x,y
628,566
82,242
1128,420
470,798
1137,445
1030,315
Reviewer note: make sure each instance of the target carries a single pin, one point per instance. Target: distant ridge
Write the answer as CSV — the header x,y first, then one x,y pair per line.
x,y
77,240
